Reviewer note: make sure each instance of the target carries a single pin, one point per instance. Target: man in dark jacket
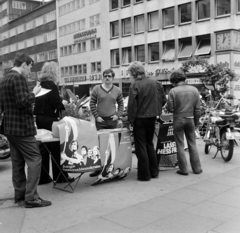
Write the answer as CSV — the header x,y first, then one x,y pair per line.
x,y
184,103
146,98
16,101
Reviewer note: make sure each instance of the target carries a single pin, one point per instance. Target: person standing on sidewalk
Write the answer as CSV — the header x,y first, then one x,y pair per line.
x,y
184,102
146,98
19,129
103,104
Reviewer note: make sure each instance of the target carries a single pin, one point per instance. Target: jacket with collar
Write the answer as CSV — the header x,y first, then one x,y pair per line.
x,y
146,98
184,101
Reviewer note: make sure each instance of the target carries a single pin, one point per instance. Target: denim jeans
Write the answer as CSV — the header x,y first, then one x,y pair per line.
x,y
143,132
181,126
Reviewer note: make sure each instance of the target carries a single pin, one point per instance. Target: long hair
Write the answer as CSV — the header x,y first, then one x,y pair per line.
x,y
136,69
49,72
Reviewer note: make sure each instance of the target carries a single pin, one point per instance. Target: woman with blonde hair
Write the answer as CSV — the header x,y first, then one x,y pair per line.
x,y
47,109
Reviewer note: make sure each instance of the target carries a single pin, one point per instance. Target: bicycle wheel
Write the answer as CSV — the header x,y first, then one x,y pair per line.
x,y
226,147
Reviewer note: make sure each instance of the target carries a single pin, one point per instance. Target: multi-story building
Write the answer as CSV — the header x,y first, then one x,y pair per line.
x,y
33,32
97,34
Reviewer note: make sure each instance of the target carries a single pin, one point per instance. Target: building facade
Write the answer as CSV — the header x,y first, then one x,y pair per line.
x,y
160,33
32,32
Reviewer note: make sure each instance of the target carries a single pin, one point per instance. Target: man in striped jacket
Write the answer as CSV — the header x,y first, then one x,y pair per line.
x,y
103,104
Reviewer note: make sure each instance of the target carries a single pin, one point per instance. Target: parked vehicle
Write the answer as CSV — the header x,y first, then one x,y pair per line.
x,y
220,132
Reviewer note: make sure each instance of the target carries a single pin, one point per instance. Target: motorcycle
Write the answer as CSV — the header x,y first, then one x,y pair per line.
x,y
4,148
220,132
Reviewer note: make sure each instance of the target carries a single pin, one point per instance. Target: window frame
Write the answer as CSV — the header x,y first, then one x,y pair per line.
x,y
180,13
198,11
111,8
137,53
216,9
125,5
136,24
199,44
123,26
181,45
165,50
111,29
128,55
164,18
149,20
114,58
150,52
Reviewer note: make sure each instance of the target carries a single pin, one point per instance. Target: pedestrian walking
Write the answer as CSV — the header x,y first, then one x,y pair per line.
x,y
184,102
19,129
146,98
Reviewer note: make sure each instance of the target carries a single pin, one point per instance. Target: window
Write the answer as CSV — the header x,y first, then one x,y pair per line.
x,y
185,50
66,71
50,16
70,70
21,45
203,8
126,55
40,39
113,4
96,67
84,46
19,5
153,20
75,70
95,44
84,68
65,51
126,2
140,53
114,29
20,29
154,52
39,21
94,20
12,32
185,13
168,17
41,57
80,70
74,48
126,26
223,7
12,48
115,57
30,42
238,5
29,25
52,54
52,35
61,52
70,49
139,23
204,46
168,50
62,71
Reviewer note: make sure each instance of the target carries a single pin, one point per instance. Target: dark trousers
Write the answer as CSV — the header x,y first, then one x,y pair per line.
x,y
25,150
143,132
106,124
186,126
45,122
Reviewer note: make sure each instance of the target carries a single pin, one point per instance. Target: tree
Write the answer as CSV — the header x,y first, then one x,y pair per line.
x,y
215,77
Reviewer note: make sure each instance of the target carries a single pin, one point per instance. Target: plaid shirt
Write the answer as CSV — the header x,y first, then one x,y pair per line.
x,y
16,102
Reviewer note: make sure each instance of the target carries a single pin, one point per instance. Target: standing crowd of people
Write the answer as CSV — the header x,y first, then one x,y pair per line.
x,y
146,101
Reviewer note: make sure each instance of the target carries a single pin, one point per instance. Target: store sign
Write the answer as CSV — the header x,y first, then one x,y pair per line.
x,y
86,35
75,79
191,81
95,77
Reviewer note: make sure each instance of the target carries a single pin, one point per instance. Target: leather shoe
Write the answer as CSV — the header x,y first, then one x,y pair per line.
x,y
199,172
182,173
95,173
144,179
39,202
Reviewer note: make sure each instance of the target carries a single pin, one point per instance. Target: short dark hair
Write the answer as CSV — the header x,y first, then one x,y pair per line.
x,y
21,58
107,71
177,76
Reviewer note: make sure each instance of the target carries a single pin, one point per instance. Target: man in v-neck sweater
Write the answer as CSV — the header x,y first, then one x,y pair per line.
x,y
103,102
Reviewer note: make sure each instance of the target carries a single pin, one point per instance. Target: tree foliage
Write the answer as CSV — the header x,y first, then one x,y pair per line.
x,y
215,77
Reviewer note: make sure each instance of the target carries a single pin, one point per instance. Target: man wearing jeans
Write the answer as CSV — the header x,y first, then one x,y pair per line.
x,y
146,98
184,103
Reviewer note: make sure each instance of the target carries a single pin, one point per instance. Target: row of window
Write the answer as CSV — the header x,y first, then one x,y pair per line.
x,y
39,57
169,51
43,38
223,7
73,5
114,4
80,47
29,25
96,67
